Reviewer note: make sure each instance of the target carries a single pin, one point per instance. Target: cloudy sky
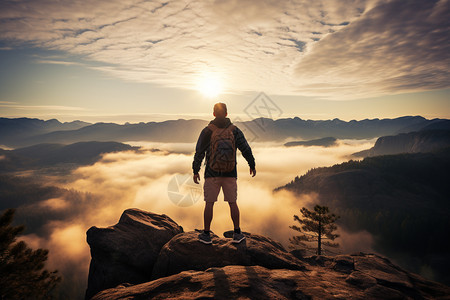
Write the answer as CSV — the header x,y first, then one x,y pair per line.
x,y
152,60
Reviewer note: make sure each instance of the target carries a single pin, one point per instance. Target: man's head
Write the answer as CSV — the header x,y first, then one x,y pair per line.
x,y
220,110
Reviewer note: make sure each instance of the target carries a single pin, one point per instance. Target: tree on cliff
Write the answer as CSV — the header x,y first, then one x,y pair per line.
x,y
22,270
317,225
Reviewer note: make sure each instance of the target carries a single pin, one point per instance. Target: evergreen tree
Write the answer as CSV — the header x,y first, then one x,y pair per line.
x,y
22,273
315,226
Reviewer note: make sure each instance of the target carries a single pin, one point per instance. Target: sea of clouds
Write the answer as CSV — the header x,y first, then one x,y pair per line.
x,y
99,193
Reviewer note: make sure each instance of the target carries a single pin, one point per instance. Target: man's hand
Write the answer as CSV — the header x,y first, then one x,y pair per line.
x,y
196,178
252,172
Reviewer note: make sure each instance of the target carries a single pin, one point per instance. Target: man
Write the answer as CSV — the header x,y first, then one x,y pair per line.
x,y
219,141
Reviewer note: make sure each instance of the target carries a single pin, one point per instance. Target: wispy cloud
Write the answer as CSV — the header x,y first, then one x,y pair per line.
x,y
395,47
41,107
332,49
58,62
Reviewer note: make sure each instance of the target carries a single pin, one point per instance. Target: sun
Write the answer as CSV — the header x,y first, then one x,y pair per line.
x,y
210,85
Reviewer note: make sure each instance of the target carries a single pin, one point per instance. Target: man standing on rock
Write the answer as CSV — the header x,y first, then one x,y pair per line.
x,y
219,141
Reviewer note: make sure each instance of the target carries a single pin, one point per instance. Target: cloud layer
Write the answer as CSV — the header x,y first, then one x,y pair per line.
x,y
126,179
98,194
333,49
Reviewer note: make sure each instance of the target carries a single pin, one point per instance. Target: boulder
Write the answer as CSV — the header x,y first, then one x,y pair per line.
x,y
185,252
127,251
343,263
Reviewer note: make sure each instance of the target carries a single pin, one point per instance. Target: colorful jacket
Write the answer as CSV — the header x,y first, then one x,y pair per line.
x,y
203,148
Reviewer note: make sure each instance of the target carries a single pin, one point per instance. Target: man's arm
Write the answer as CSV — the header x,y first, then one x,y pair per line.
x,y
200,150
244,147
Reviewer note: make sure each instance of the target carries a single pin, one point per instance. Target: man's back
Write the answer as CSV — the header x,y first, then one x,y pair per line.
x,y
203,149
218,141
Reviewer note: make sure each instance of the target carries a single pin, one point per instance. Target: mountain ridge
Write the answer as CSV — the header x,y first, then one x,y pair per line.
x,y
50,154
15,134
16,129
426,140
324,142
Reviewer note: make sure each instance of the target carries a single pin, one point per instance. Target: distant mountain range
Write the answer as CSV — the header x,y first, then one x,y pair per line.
x,y
296,128
47,155
402,200
25,132
413,142
15,131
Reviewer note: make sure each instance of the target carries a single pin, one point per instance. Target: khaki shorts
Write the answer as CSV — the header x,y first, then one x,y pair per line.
x,y
212,186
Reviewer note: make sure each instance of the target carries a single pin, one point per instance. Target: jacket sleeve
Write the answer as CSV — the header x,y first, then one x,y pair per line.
x,y
244,147
200,149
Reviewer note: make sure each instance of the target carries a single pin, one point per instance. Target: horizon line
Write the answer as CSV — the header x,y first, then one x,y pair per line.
x,y
239,119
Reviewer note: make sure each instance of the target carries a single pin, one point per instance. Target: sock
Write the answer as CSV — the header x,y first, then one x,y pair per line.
x,y
237,230
206,232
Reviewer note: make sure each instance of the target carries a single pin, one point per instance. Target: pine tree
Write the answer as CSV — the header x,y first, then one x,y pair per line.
x,y
315,226
22,273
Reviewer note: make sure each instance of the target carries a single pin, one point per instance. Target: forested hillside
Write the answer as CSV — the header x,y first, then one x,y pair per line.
x,y
402,200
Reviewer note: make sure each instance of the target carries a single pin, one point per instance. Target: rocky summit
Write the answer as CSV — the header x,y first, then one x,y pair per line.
x,y
255,250
148,256
127,251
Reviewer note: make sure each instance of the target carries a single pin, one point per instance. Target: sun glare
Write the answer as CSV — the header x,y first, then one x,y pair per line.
x,y
210,85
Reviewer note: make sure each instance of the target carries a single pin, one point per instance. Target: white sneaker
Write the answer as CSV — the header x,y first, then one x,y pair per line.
x,y
204,238
237,238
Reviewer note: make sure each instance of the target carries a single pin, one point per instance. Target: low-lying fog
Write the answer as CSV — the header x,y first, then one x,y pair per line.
x,y
147,180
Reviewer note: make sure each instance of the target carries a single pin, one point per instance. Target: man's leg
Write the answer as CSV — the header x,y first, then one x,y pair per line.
x,y
237,235
234,211
208,215
211,190
205,236
229,187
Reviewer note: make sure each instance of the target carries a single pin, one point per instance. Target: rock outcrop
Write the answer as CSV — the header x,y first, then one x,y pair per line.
x,y
126,254
127,251
184,252
360,276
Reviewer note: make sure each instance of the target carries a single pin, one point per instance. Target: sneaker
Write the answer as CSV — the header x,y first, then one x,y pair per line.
x,y
204,238
237,238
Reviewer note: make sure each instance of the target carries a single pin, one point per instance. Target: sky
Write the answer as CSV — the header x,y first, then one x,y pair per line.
x,y
120,61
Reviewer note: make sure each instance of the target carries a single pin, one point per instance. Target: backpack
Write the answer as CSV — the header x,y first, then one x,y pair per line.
x,y
223,149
